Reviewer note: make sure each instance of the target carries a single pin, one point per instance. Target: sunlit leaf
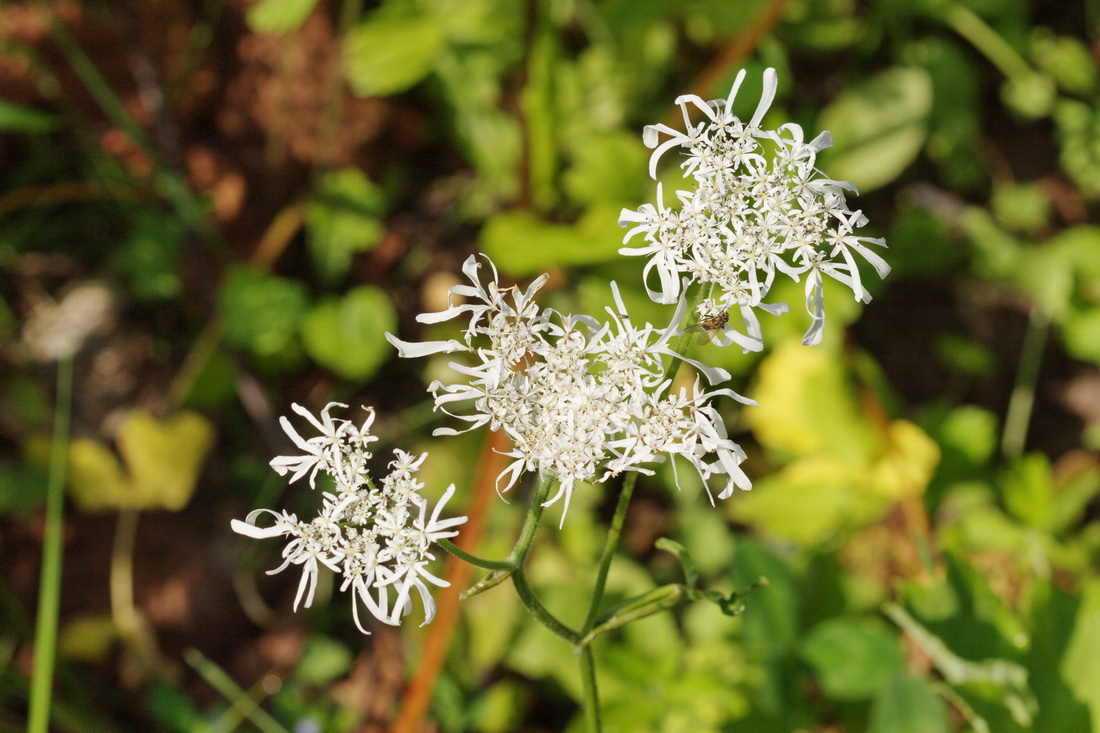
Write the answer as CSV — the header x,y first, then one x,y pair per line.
x,y
522,244
279,16
386,54
852,659
879,125
348,335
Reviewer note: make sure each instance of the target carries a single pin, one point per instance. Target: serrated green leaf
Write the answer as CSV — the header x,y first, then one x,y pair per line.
x,y
879,126
348,335
852,659
385,55
279,16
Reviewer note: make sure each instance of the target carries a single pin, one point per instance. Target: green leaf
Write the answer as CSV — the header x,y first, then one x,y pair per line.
x,y
26,120
344,218
385,55
879,126
522,244
1029,490
853,659
348,335
607,168
279,16
260,312
771,620
1053,614
906,704
1081,664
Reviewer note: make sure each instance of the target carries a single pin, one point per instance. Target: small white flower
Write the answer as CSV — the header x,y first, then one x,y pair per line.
x,y
758,207
377,539
571,392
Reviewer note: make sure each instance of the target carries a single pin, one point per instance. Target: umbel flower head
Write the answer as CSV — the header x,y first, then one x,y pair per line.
x,y
758,207
581,399
377,537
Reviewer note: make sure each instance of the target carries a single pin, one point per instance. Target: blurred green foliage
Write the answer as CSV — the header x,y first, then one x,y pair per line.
x,y
925,572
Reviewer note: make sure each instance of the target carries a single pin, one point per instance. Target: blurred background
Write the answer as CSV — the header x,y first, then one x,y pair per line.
x,y
222,205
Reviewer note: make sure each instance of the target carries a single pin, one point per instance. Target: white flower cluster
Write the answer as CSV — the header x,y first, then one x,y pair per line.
x,y
758,206
580,399
376,537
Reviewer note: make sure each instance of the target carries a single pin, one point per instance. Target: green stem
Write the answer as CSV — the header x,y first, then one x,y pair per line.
x,y
49,590
1023,392
531,524
472,559
970,26
610,545
587,664
534,605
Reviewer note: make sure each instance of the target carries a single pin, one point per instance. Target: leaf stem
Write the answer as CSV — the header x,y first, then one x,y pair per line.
x,y
472,559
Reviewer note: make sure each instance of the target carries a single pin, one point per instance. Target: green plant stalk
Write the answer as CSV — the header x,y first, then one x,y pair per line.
x,y
244,704
610,545
980,35
587,664
1022,402
49,588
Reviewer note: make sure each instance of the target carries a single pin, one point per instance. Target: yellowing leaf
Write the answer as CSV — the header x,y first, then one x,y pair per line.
x,y
808,501
96,479
806,407
162,462
87,639
164,458
907,465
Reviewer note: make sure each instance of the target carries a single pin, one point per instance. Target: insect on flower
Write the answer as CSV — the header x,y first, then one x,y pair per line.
x,y
709,326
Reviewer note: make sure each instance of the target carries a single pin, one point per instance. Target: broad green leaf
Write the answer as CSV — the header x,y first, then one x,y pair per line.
x,y
1081,664
607,168
348,335
161,462
879,126
1029,490
522,244
385,55
906,704
344,218
1053,616
852,659
771,621
279,16
18,119
1021,207
260,312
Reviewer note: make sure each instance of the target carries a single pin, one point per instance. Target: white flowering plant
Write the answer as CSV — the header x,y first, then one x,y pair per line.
x,y
593,400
